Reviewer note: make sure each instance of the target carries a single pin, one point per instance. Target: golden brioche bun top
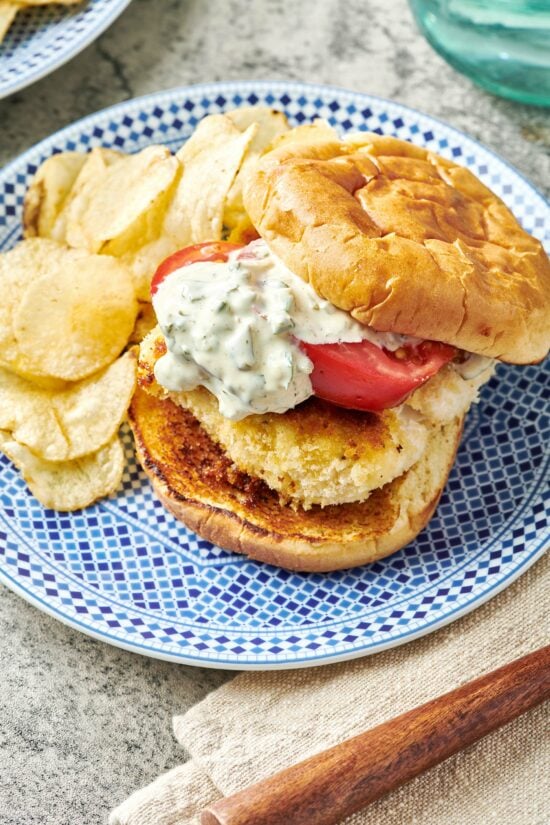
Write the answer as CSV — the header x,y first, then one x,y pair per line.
x,y
405,241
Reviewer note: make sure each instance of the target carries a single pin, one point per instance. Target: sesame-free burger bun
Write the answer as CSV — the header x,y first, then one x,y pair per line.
x,y
200,485
405,241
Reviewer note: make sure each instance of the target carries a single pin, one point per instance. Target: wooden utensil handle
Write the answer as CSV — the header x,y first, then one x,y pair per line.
x,y
329,786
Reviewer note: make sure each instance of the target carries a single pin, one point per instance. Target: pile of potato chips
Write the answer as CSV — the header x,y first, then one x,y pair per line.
x,y
65,318
9,8
76,291
141,208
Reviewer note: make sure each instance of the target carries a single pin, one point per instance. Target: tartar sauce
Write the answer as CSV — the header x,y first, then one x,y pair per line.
x,y
472,365
233,327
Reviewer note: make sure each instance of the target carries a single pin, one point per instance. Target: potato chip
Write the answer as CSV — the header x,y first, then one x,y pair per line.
x,y
110,205
7,13
143,262
9,8
77,317
21,407
47,192
237,225
144,242
319,131
68,485
93,169
148,227
194,208
18,268
271,123
146,321
66,313
211,159
61,426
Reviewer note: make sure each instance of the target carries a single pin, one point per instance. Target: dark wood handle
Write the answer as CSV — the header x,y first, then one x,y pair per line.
x,y
326,788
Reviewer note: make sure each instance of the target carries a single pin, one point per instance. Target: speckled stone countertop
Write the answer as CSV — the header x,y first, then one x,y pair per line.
x,y
83,724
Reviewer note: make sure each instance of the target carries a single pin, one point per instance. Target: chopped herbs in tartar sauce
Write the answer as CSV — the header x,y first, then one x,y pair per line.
x,y
234,327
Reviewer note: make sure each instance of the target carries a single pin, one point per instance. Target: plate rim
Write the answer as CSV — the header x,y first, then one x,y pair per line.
x,y
274,83
371,647
56,62
295,664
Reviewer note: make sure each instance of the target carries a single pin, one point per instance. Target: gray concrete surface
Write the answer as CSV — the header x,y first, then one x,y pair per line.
x,y
83,724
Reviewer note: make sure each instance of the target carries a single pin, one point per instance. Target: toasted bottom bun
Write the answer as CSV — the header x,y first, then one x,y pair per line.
x,y
198,483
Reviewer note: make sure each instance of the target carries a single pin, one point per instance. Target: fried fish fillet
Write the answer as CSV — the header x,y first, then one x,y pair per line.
x,y
342,455
199,484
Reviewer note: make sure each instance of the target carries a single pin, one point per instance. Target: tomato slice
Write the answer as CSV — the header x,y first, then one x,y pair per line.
x,y
359,376
199,252
363,376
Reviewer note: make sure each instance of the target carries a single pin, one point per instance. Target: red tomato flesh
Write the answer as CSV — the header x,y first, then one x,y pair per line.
x,y
358,376
199,252
363,376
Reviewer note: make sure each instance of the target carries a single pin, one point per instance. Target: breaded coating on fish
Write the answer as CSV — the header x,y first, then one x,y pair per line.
x,y
342,455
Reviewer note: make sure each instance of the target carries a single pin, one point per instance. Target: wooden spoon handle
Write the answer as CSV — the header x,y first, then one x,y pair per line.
x,y
327,787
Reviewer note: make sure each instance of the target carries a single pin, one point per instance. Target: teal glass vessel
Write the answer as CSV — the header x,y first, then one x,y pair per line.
x,y
503,45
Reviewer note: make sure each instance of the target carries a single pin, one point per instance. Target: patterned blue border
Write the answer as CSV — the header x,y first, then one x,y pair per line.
x,y
44,38
311,661
125,572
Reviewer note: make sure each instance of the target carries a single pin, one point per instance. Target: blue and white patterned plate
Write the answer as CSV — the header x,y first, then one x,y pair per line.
x,y
42,38
126,572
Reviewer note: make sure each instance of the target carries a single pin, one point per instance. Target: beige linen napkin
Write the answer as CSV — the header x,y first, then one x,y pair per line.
x,y
261,722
